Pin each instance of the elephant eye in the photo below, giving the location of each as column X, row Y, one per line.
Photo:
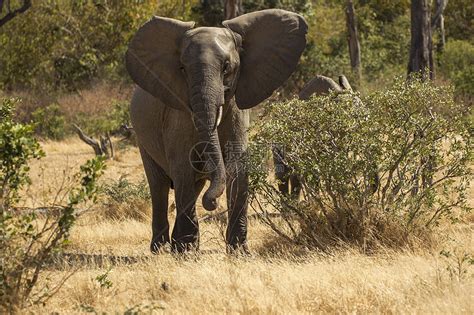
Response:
column 182, row 69
column 226, row 68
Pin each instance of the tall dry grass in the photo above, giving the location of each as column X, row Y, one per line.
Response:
column 279, row 278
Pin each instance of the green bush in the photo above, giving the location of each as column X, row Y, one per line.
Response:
column 50, row 122
column 17, row 147
column 29, row 243
column 109, row 122
column 67, row 45
column 457, row 64
column 382, row 171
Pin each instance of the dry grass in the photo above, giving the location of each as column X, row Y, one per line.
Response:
column 277, row 279
column 95, row 100
column 92, row 100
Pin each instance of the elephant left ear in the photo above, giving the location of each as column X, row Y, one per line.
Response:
column 273, row 41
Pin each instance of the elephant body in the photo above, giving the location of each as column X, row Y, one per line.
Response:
column 190, row 114
column 158, row 128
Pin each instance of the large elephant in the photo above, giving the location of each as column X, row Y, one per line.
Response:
column 288, row 181
column 190, row 79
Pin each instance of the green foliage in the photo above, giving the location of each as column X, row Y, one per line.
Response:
column 457, row 64
column 28, row 242
column 50, row 122
column 109, row 122
column 459, row 20
column 68, row 44
column 103, row 279
column 377, row 170
column 384, row 46
column 386, row 10
column 17, row 147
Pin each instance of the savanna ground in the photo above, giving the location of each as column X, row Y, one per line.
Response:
column 277, row 278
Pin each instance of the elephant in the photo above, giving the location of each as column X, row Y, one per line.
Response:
column 319, row 85
column 190, row 112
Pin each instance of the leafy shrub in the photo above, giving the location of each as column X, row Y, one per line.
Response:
column 68, row 44
column 50, row 122
column 17, row 147
column 457, row 64
column 126, row 200
column 109, row 122
column 29, row 243
column 380, row 171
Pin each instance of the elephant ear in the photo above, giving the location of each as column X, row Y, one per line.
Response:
column 319, row 85
column 273, row 41
column 153, row 60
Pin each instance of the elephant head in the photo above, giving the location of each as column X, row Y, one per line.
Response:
column 321, row 85
column 201, row 69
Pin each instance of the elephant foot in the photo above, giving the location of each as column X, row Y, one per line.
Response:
column 159, row 246
column 239, row 250
column 182, row 247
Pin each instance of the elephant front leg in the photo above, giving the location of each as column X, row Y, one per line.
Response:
column 185, row 236
column 237, row 203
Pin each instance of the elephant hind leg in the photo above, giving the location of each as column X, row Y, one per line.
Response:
column 282, row 172
column 159, row 184
column 237, row 203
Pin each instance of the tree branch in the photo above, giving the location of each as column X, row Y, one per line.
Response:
column 11, row 14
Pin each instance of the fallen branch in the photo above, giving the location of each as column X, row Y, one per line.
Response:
column 100, row 147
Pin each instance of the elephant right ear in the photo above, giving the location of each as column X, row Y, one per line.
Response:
column 153, row 60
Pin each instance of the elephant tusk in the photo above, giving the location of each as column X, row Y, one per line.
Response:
column 219, row 115
column 218, row 118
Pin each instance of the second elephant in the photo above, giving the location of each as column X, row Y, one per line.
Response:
column 288, row 181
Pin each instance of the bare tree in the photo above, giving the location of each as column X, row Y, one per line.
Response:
column 421, row 46
column 438, row 22
column 232, row 9
column 100, row 147
column 353, row 40
column 5, row 6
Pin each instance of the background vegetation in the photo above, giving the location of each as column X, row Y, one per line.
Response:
column 60, row 55
column 385, row 171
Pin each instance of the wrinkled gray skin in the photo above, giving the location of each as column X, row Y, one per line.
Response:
column 319, row 85
column 185, row 76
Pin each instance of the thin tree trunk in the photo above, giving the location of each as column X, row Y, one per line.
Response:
column 438, row 23
column 353, row 40
column 421, row 50
column 232, row 9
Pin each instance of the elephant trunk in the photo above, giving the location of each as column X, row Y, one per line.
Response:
column 205, row 101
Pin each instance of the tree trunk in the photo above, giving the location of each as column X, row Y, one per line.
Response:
column 421, row 50
column 353, row 40
column 232, row 9
column 438, row 23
